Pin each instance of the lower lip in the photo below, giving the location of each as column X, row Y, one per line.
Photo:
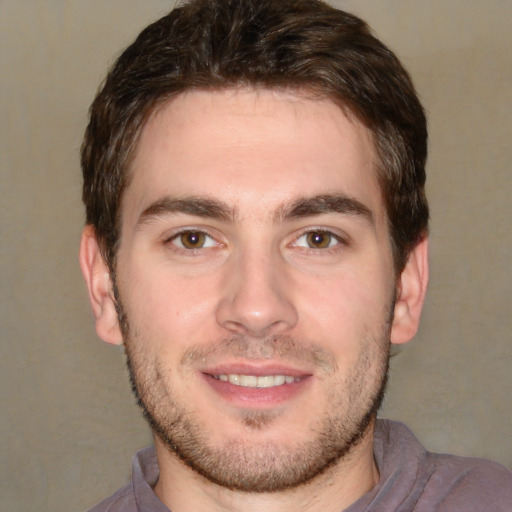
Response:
column 256, row 397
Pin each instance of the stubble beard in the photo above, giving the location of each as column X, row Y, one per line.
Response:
column 268, row 467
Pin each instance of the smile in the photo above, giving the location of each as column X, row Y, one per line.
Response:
column 251, row 381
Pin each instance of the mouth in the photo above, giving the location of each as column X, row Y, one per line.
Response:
column 257, row 386
column 253, row 381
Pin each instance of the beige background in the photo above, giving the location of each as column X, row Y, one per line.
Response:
column 68, row 425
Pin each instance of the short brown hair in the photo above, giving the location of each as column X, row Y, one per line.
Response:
column 304, row 44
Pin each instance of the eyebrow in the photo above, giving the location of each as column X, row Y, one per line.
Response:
column 197, row 206
column 214, row 209
column 322, row 204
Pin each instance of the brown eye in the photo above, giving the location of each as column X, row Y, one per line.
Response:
column 319, row 239
column 192, row 240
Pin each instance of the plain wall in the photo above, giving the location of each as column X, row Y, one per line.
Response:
column 69, row 425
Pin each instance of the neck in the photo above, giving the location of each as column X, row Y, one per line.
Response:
column 181, row 489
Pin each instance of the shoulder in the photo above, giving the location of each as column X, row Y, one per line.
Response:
column 428, row 481
column 138, row 494
column 468, row 483
column 121, row 501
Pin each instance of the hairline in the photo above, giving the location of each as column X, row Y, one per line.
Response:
column 313, row 91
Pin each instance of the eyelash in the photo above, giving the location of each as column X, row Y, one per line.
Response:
column 333, row 237
column 333, row 243
column 199, row 232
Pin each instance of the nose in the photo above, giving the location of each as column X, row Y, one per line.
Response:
column 257, row 297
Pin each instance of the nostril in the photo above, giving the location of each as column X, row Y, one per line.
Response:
column 255, row 299
column 274, row 318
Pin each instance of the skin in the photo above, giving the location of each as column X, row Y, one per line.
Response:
column 254, row 240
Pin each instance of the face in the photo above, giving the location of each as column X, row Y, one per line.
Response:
column 256, row 284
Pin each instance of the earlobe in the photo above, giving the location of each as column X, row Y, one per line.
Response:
column 99, row 286
column 411, row 289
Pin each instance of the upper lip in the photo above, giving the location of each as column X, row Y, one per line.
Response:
column 257, row 370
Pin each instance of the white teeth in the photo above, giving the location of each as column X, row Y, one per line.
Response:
column 281, row 379
column 251, row 381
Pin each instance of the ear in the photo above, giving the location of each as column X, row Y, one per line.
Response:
column 99, row 286
column 411, row 289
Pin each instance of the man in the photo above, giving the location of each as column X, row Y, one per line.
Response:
column 257, row 239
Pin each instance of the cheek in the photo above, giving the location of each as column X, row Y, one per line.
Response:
column 167, row 307
column 344, row 309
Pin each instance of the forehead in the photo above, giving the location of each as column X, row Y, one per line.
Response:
column 252, row 148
